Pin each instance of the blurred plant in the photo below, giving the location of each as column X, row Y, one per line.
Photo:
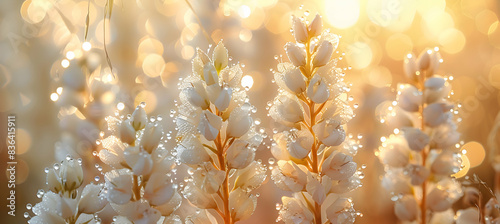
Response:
column 217, row 139
column 140, row 187
column 66, row 202
column 315, row 162
column 422, row 156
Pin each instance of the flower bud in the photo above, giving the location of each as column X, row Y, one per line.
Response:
column 139, row 118
column 468, row 216
column 418, row 174
column 446, row 163
column 239, row 122
column 442, row 197
column 329, row 132
column 127, row 132
column 436, row 89
column 139, row 160
column 446, row 136
column 151, row 137
column 395, row 152
column 341, row 211
column 409, row 98
column 299, row 30
column 71, row 175
column 301, row 144
column 197, row 95
column 295, row 54
column 294, row 81
column 119, row 185
column 411, row 67
column 406, row 208
column 199, row 62
column 424, row 60
column 316, row 26
column 210, row 125
column 435, row 61
column 210, row 74
column 436, row 114
column 220, row 57
column 92, row 199
column 251, row 177
column 286, row 110
column 53, row 181
column 112, row 152
column 317, row 90
column 239, row 155
column 316, row 189
column 191, row 151
column 199, row 198
column 290, row 176
column 417, row 140
column 241, row 204
column 323, row 54
column 223, row 99
column 209, row 179
column 339, row 166
column 158, row 189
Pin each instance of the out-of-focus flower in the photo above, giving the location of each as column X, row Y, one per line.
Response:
column 406, row 208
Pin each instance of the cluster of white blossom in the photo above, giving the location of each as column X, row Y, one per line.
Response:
column 66, row 201
column 422, row 155
column 217, row 140
column 140, row 187
column 315, row 161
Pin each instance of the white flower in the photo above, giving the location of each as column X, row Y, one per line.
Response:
column 196, row 95
column 241, row 204
column 210, row 75
column 339, row 166
column 417, row 140
column 191, row 151
column 409, row 98
column 329, row 132
column 299, row 30
column 53, row 209
column 424, row 60
column 318, row 190
column 395, row 152
column 210, row 125
column 290, row 176
column 436, row 114
column 446, row 135
column 406, row 208
column 53, row 181
column 151, row 137
column 286, row 110
column 208, row 178
column 170, row 206
column 71, row 175
column 127, row 132
column 436, row 88
column 239, row 155
column 198, row 197
column 279, row 149
column 446, row 163
column 140, row 161
column 301, row 144
column 251, row 177
column 418, row 174
column 239, row 121
column 293, row 80
column 294, row 211
column 341, row 211
column 92, row 199
column 119, row 186
column 295, row 54
column 323, row 54
column 220, row 57
column 201, row 216
column 443, row 195
column 112, row 152
column 395, row 181
column 139, row 212
column 220, row 96
column 317, row 90
column 316, row 26
column 158, row 189
column 139, row 118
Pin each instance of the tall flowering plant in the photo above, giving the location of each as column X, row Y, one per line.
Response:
column 315, row 161
column 140, row 186
column 422, row 155
column 217, row 140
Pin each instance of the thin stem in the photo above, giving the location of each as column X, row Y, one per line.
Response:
column 423, row 207
column 226, row 215
column 199, row 22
